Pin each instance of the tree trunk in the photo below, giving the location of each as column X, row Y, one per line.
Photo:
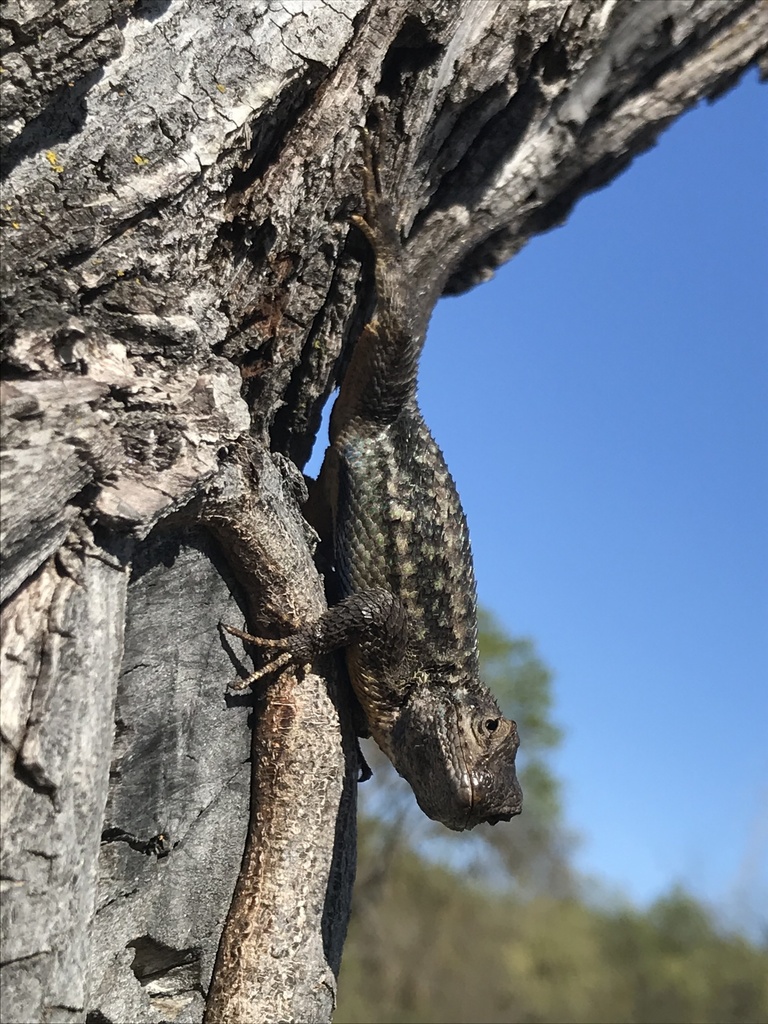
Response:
column 182, row 289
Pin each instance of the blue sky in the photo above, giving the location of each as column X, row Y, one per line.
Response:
column 603, row 406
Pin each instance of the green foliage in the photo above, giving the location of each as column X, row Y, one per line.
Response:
column 491, row 926
column 407, row 958
column 428, row 945
column 571, row 962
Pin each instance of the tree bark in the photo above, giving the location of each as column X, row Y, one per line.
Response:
column 182, row 290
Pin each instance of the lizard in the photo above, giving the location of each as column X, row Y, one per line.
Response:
column 407, row 618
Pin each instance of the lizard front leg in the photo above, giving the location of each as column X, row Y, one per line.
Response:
column 374, row 621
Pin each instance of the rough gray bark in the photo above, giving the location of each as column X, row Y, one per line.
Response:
column 181, row 291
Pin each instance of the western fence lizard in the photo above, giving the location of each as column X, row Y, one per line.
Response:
column 408, row 616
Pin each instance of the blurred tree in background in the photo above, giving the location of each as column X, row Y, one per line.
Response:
column 495, row 925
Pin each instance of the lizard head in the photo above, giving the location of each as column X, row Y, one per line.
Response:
column 459, row 758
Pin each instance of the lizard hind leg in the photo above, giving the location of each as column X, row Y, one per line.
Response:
column 378, row 223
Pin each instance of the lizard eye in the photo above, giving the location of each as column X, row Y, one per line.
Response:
column 492, row 724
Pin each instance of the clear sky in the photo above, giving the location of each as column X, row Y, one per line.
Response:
column 603, row 406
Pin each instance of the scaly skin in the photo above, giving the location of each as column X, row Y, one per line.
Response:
column 408, row 617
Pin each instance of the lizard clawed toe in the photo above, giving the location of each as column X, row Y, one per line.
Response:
column 272, row 666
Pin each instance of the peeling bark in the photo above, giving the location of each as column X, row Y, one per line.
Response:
column 182, row 289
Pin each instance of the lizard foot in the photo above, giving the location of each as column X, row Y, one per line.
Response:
column 273, row 665
column 378, row 222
